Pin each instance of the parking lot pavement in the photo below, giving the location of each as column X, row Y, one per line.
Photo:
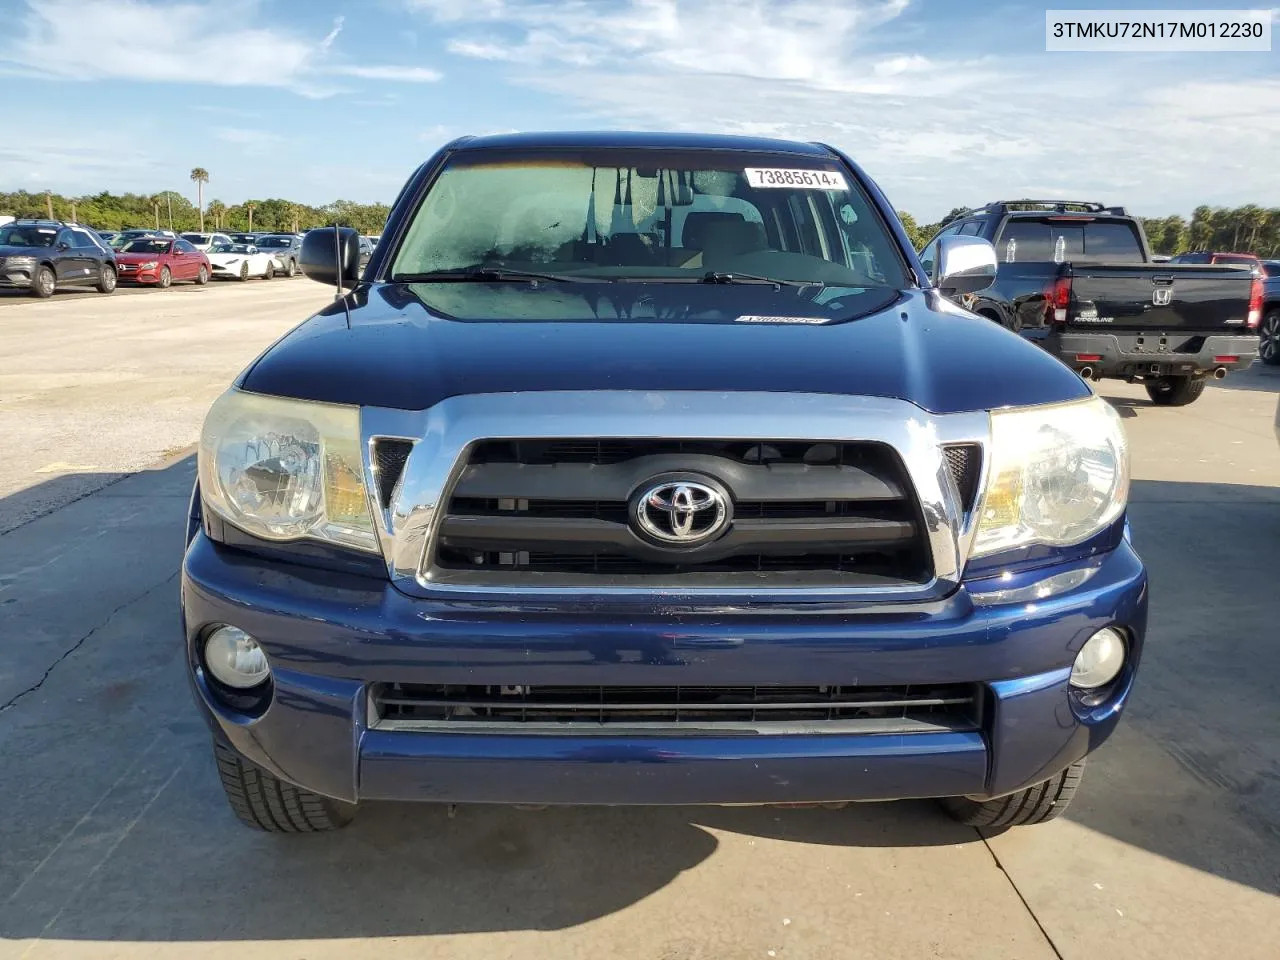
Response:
column 117, row 843
column 93, row 386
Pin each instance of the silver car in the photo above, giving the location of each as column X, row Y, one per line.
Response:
column 285, row 247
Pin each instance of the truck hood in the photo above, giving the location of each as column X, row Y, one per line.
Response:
column 409, row 346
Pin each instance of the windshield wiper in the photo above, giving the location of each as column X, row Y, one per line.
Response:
column 718, row 276
column 487, row 274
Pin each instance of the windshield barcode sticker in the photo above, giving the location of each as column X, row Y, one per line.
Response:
column 795, row 179
column 752, row 318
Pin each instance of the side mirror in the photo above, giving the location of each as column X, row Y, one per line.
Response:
column 963, row 265
column 331, row 256
column 63, row 245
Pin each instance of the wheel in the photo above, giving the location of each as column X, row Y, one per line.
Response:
column 291, row 267
column 1175, row 391
column 265, row 802
column 1036, row 804
column 107, row 279
column 1269, row 338
column 166, row 277
column 43, row 282
column 244, row 270
column 271, row 271
column 203, row 276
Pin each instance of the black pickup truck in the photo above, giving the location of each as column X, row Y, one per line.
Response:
column 1078, row 278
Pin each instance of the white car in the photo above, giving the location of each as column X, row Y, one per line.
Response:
column 240, row 261
column 205, row 241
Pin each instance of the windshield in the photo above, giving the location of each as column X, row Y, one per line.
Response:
column 151, row 245
column 229, row 248
column 27, row 236
column 196, row 237
column 275, row 242
column 664, row 216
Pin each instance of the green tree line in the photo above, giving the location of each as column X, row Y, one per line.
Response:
column 171, row 210
column 1247, row 229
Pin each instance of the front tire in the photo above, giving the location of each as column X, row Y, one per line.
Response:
column 1175, row 391
column 107, row 279
column 1037, row 804
column 244, row 271
column 291, row 267
column 265, row 802
column 271, row 271
column 43, row 282
column 1269, row 338
column 166, row 277
column 203, row 276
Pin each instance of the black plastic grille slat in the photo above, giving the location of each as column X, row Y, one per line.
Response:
column 964, row 463
column 477, row 705
column 606, row 451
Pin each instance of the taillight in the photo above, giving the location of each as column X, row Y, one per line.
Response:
column 1255, row 303
column 1057, row 300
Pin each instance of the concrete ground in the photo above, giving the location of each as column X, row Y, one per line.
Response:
column 116, row 842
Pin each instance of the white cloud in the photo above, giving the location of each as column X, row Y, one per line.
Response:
column 247, row 137
column 192, row 41
column 782, row 40
column 935, row 130
column 136, row 40
column 400, row 74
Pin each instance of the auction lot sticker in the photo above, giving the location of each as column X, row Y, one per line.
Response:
column 753, row 318
column 795, row 179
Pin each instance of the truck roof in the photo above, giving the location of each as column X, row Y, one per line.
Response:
column 640, row 141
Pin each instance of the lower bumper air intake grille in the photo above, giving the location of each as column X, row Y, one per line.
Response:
column 685, row 709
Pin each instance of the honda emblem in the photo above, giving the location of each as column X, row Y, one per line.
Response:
column 1160, row 296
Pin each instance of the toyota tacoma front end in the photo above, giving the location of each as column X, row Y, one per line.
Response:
column 655, row 470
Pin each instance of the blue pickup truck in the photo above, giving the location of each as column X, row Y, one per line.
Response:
column 655, row 469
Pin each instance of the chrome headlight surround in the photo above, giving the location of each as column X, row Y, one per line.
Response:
column 1058, row 475
column 283, row 469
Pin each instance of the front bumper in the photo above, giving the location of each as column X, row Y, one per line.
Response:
column 1153, row 354
column 329, row 636
column 124, row 275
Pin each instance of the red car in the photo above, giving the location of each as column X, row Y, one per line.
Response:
column 161, row 260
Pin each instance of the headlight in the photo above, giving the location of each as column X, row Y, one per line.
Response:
column 287, row 469
column 1058, row 475
column 149, row 265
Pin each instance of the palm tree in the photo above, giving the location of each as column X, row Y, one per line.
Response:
column 217, row 209
column 201, row 176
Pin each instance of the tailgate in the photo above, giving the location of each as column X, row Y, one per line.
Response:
column 1157, row 297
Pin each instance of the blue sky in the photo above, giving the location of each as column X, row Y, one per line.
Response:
column 944, row 102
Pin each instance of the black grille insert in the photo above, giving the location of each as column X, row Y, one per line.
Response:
column 389, row 458
column 753, row 709
column 556, row 512
column 964, row 463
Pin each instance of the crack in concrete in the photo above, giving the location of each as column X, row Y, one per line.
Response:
column 13, row 701
column 1026, row 906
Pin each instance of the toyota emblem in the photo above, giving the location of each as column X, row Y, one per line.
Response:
column 676, row 511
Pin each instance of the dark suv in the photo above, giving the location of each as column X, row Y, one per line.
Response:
column 42, row 255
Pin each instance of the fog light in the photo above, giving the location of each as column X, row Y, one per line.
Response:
column 1099, row 660
column 235, row 659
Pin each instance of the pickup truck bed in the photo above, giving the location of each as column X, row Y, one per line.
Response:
column 1079, row 280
